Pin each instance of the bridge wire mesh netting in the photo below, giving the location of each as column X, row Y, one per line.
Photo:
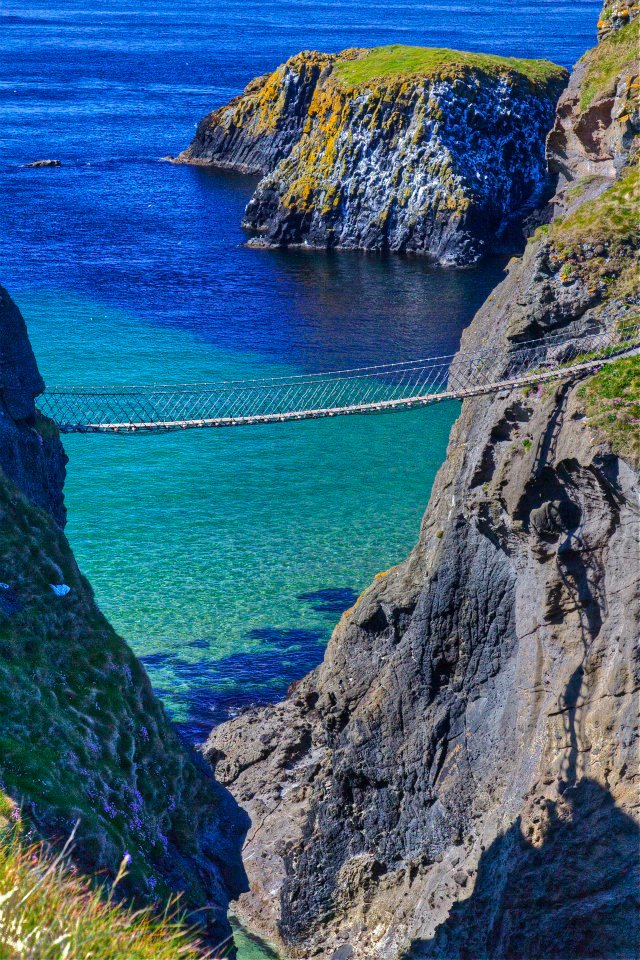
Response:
column 359, row 390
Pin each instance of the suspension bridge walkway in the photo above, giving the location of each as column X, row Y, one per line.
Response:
column 373, row 389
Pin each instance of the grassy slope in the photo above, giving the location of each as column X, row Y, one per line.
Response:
column 606, row 62
column 612, row 403
column 401, row 61
column 598, row 240
column 82, row 736
column 612, row 218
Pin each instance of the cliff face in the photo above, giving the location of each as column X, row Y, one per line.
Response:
column 258, row 129
column 459, row 778
column 31, row 454
column 396, row 148
column 83, row 738
column 597, row 115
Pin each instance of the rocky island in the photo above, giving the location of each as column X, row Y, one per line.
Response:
column 395, row 148
column 459, row 778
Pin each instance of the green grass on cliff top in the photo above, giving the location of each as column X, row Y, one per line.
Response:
column 400, row 61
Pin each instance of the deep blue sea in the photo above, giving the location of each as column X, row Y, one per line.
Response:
column 224, row 558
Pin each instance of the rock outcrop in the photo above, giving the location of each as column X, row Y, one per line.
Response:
column 258, row 129
column 459, row 778
column 395, row 148
column 83, row 739
column 31, row 454
column 597, row 116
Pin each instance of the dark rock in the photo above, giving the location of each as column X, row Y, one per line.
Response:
column 31, row 454
column 20, row 380
column 44, row 163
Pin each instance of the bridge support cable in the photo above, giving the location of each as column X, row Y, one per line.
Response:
column 384, row 387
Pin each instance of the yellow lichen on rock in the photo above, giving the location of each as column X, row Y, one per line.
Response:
column 387, row 148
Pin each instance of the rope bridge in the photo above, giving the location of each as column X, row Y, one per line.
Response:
column 394, row 386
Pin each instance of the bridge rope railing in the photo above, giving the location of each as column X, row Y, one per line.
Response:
column 391, row 386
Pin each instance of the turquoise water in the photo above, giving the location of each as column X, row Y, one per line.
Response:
column 225, row 557
column 249, row 947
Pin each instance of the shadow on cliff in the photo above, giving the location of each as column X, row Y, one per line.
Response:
column 571, row 897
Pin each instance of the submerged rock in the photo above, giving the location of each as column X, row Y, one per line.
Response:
column 44, row 163
column 396, row 148
column 459, row 778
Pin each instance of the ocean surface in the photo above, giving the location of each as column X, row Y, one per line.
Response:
column 224, row 557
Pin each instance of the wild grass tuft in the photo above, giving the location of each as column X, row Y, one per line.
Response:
column 49, row 912
column 610, row 218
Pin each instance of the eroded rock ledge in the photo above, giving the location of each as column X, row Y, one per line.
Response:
column 395, row 148
column 459, row 778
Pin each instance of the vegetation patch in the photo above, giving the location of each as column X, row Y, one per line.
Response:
column 49, row 912
column 606, row 62
column 83, row 739
column 612, row 403
column 611, row 218
column 400, row 61
column 596, row 246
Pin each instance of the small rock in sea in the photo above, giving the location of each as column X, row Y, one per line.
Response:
column 60, row 589
column 4, row 586
column 44, row 163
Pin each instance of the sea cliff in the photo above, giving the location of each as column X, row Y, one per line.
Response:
column 459, row 778
column 394, row 148
column 84, row 743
